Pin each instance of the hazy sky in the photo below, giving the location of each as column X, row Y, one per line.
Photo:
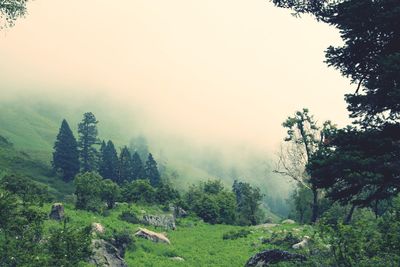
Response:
column 228, row 70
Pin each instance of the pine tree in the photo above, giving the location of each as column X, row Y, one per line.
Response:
column 151, row 171
column 108, row 167
column 66, row 155
column 137, row 167
column 125, row 166
column 87, row 130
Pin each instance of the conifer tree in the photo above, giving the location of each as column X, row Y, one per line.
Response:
column 137, row 167
column 108, row 167
column 66, row 155
column 87, row 130
column 125, row 166
column 151, row 171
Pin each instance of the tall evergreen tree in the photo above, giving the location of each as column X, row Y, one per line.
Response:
column 87, row 130
column 137, row 167
column 108, row 167
column 125, row 166
column 151, row 171
column 66, row 155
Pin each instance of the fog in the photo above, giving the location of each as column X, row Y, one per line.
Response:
column 191, row 75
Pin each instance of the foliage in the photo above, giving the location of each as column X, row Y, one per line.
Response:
column 247, row 199
column 10, row 10
column 165, row 193
column 138, row 191
column 125, row 173
column 66, row 155
column 110, row 192
column 137, row 167
column 236, row 234
column 67, row 246
column 88, row 191
column 26, row 189
column 129, row 216
column 151, row 171
column 108, row 166
column 87, row 130
column 211, row 202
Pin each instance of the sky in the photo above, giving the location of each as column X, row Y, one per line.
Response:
column 210, row 70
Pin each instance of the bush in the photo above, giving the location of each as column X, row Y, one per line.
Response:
column 236, row 234
column 122, row 240
column 138, row 191
column 129, row 216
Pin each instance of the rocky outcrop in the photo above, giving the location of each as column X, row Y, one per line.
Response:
column 164, row 221
column 153, row 236
column 98, row 228
column 267, row 257
column 57, row 212
column 302, row 244
column 105, row 255
column 178, row 212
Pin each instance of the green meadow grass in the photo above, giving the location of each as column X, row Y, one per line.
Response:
column 198, row 243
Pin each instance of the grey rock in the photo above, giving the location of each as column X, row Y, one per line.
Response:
column 271, row 256
column 106, row 255
column 57, row 211
column 178, row 211
column 164, row 221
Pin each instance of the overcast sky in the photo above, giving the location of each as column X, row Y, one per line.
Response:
column 228, row 70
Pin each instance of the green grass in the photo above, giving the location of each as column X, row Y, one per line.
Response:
column 199, row 243
column 17, row 162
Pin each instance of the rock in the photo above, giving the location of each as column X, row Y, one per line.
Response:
column 302, row 244
column 153, row 236
column 165, row 221
column 177, row 259
column 288, row 221
column 270, row 256
column 98, row 228
column 105, row 254
column 178, row 211
column 57, row 211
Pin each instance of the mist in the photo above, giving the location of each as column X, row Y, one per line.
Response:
column 201, row 80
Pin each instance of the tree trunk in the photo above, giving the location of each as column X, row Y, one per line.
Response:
column 314, row 216
column 350, row 214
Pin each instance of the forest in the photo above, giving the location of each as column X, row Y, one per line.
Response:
column 91, row 199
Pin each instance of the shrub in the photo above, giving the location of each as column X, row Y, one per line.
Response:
column 129, row 216
column 236, row 234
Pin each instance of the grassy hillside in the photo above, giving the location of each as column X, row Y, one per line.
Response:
column 198, row 243
column 17, row 162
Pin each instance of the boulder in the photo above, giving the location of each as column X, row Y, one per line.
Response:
column 57, row 211
column 105, row 255
column 153, row 236
column 271, row 256
column 98, row 228
column 288, row 221
column 177, row 259
column 178, row 211
column 165, row 221
column 302, row 244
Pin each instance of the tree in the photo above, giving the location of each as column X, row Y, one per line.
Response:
column 108, row 167
column 87, row 130
column 68, row 246
column 138, row 191
column 10, row 10
column 151, row 171
column 110, row 192
column 137, row 167
column 248, row 199
column 303, row 140
column 66, row 154
column 88, row 191
column 370, row 56
column 125, row 166
column 29, row 191
column 139, row 145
